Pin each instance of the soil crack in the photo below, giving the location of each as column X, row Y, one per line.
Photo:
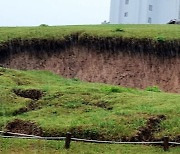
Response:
column 146, row 133
column 33, row 105
column 29, row 93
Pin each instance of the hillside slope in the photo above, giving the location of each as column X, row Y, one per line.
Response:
column 41, row 103
column 128, row 55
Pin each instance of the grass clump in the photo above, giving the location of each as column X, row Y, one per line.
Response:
column 119, row 30
column 153, row 89
column 161, row 39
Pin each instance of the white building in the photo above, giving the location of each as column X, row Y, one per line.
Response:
column 144, row 11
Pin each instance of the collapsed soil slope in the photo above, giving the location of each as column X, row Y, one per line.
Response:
column 129, row 63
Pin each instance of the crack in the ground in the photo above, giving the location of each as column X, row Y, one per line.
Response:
column 29, row 93
column 33, row 105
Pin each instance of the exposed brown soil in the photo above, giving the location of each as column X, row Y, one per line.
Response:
column 24, row 127
column 125, row 62
column 29, row 93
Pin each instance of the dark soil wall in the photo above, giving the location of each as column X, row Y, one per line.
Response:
column 130, row 64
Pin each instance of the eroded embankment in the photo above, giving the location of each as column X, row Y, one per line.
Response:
column 126, row 62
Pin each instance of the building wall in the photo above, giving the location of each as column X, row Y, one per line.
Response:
column 115, row 11
column 132, row 11
column 169, row 10
column 144, row 11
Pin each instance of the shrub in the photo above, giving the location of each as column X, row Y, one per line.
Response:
column 43, row 25
column 113, row 89
column 153, row 89
column 160, row 39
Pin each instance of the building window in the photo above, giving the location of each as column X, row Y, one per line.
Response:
column 126, row 2
column 150, row 7
column 149, row 20
column 126, row 14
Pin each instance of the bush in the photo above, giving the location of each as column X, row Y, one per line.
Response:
column 113, row 89
column 160, row 39
column 153, row 89
column 43, row 25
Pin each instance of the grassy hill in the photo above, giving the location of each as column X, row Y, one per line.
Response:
column 154, row 32
column 89, row 110
column 42, row 103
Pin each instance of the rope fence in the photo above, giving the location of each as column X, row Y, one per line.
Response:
column 165, row 143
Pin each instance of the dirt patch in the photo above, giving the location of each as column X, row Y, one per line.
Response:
column 30, row 93
column 33, row 105
column 24, row 127
column 146, row 133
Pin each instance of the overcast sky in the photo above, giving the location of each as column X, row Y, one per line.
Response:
column 53, row 12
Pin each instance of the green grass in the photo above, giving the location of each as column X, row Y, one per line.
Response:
column 87, row 109
column 69, row 104
column 16, row 146
column 155, row 32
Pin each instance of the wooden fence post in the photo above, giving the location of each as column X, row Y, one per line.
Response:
column 166, row 143
column 67, row 140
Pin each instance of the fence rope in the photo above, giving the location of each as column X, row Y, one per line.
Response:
column 26, row 136
column 35, row 137
column 18, row 134
column 114, row 142
column 175, row 143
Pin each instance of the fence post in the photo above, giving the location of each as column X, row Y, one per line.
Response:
column 67, row 140
column 166, row 143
